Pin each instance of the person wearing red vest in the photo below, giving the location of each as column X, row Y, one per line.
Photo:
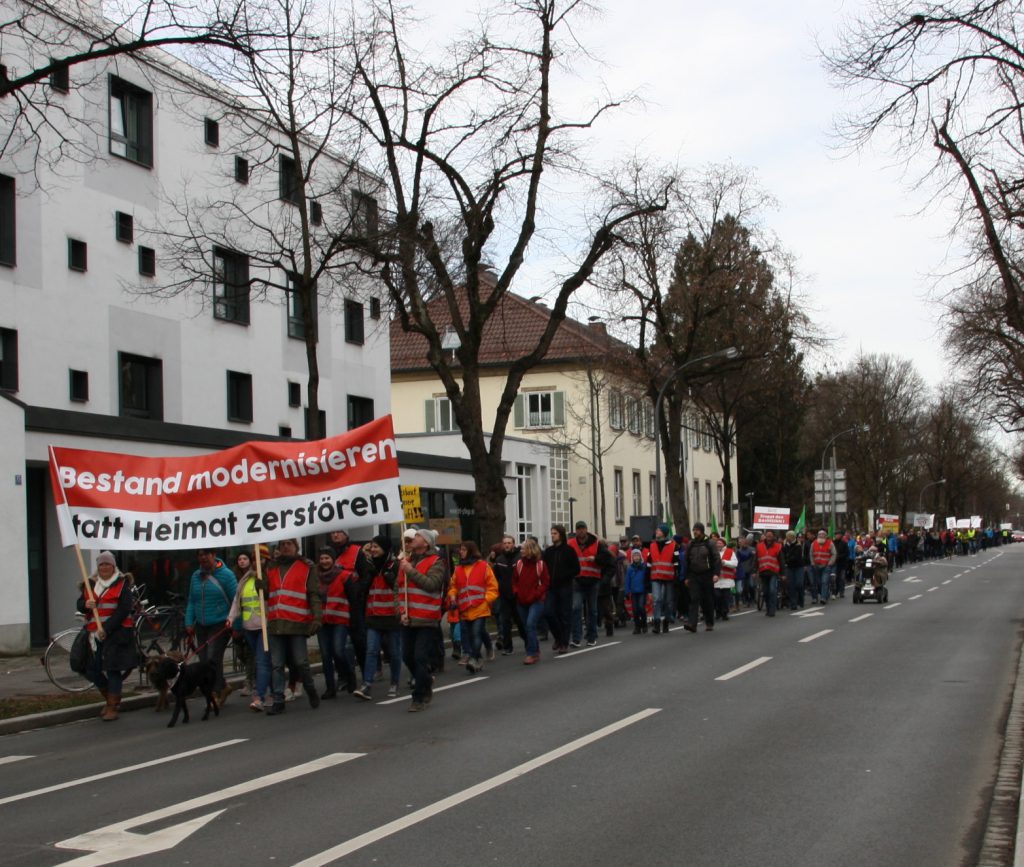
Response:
column 333, row 635
column 422, row 578
column 355, row 564
column 594, row 557
column 663, row 558
column 383, row 627
column 472, row 591
column 769, row 554
column 725, row 580
column 294, row 612
column 112, row 639
column 823, row 558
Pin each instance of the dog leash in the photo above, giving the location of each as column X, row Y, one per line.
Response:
column 196, row 650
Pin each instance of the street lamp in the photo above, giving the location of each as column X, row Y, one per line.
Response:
column 857, row 428
column 920, row 497
column 729, row 352
column 750, row 505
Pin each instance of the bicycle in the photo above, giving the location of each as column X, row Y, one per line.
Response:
column 57, row 661
column 158, row 628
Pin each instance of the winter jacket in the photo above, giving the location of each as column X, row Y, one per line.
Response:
column 434, row 581
column 119, row 653
column 562, row 562
column 636, row 578
column 490, row 588
column 210, row 596
column 530, row 581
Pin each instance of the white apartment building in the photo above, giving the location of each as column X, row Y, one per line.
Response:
column 90, row 359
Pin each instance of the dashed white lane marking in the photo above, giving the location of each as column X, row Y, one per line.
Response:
column 743, row 669
column 741, row 613
column 6, row 760
column 931, row 589
column 816, row 635
column 431, row 810
column 892, row 605
column 918, row 596
column 911, row 578
column 455, row 685
column 947, row 580
column 118, row 771
column 588, row 649
column 862, row 617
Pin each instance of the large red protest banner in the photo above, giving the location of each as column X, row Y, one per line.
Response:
column 255, row 492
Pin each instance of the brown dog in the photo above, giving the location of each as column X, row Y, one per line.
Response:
column 156, row 674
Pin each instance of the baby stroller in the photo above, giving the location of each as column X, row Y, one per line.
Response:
column 872, row 573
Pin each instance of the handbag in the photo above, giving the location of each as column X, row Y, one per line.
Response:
column 81, row 652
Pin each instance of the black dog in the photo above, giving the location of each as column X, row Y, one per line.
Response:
column 156, row 673
column 186, row 679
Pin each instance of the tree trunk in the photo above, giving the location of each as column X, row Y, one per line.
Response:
column 307, row 298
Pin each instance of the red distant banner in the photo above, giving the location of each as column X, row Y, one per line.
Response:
column 771, row 518
column 255, row 492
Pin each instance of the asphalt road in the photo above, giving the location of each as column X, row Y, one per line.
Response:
column 864, row 735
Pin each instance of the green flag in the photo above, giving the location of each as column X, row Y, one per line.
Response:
column 714, row 525
column 801, row 522
column 832, row 527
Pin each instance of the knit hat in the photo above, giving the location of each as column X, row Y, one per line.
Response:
column 264, row 552
column 429, row 536
column 325, row 550
column 408, row 534
column 581, row 525
column 385, row 543
column 698, row 526
column 637, row 554
column 106, row 557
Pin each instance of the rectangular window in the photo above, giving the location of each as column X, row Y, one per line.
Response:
column 147, row 261
column 288, row 185
column 316, row 213
column 78, row 258
column 241, row 170
column 296, row 308
column 131, row 122
column 124, row 227
column 284, row 430
column 211, row 132
column 360, row 411
column 239, row 396
column 652, row 498
column 364, row 215
column 721, row 504
column 322, row 416
column 708, row 437
column 60, row 79
column 524, row 498
column 375, row 308
column 558, row 474
column 708, row 505
column 439, row 415
column 294, row 394
column 539, row 409
column 632, row 415
column 617, row 495
column 695, row 504
column 649, row 418
column 637, row 493
column 8, row 359
column 615, row 409
column 695, row 430
column 140, row 386
column 353, row 322
column 78, row 385
column 230, row 286
column 8, row 236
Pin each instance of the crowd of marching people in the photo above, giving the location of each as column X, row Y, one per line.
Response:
column 374, row 608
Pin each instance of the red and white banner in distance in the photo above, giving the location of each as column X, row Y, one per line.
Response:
column 771, row 518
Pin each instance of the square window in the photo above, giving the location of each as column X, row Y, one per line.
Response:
column 294, row 394
column 296, row 299
column 147, row 261
column 284, row 430
column 60, row 79
column 288, row 184
column 8, row 359
column 360, row 411
column 364, row 215
column 8, row 245
column 140, row 386
column 78, row 385
column 353, row 322
column 375, row 308
column 124, row 227
column 230, row 286
column 211, row 132
column 239, row 397
column 78, row 259
column 131, row 122
column 316, row 213
column 241, row 170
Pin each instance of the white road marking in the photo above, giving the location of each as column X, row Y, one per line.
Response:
column 914, row 580
column 741, row 613
column 743, row 669
column 106, row 774
column 912, row 598
column 911, row 578
column 431, row 810
column 455, row 685
column 588, row 649
column 805, row 614
column 816, row 635
column 6, row 760
column 863, row 617
column 947, row 580
column 931, row 589
column 117, row 843
column 892, row 605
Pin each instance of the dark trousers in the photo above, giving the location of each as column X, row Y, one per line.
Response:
column 702, row 596
column 214, row 650
column 558, row 612
column 418, row 650
column 293, row 651
column 357, row 633
column 508, row 614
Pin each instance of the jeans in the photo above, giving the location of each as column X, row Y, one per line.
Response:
column 558, row 612
column 820, row 576
column 333, row 641
column 254, row 638
column 639, row 603
column 473, row 637
column 290, row 649
column 109, row 681
column 584, row 595
column 795, row 586
column 375, row 639
column 770, row 591
column 661, row 592
column 418, row 644
column 530, row 615
column 357, row 631
column 509, row 613
column 214, row 650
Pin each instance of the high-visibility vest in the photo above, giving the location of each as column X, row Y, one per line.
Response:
column 250, row 598
column 728, row 572
column 417, row 603
column 470, row 586
column 662, row 568
column 381, row 600
column 821, row 553
column 106, row 605
column 287, row 599
column 336, row 609
column 768, row 558
column 588, row 559
column 347, row 560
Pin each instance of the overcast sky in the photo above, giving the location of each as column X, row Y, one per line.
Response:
column 741, row 80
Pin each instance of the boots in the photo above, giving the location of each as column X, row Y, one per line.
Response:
column 657, row 627
column 636, row 629
column 110, row 711
column 609, row 630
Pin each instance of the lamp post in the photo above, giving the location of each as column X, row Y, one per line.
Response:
column 572, row 502
column 920, row 497
column 750, row 506
column 857, row 428
column 730, row 352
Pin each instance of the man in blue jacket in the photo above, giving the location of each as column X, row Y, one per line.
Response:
column 210, row 593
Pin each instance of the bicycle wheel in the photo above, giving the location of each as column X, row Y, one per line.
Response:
column 158, row 632
column 57, row 660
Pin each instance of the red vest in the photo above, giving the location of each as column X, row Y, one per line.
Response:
column 347, row 561
column 821, row 554
column 381, row 602
column 768, row 558
column 588, row 559
column 287, row 599
column 661, row 562
column 728, row 572
column 336, row 609
column 417, row 603
column 470, row 586
column 106, row 605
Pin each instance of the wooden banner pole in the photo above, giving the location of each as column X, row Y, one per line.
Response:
column 263, row 607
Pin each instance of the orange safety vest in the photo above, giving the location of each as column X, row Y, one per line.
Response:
column 821, row 554
column 336, row 608
column 347, row 561
column 588, row 559
column 768, row 558
column 106, row 605
column 287, row 599
column 417, row 603
column 661, row 562
column 728, row 572
column 470, row 586
column 381, row 602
